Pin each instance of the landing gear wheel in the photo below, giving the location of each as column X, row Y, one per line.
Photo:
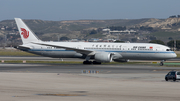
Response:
column 161, row 63
column 87, row 62
column 95, row 62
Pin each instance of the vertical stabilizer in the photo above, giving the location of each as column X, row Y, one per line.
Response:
column 26, row 34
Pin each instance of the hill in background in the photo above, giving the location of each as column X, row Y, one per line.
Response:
column 146, row 29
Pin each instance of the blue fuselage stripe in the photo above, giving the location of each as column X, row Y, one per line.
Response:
column 33, row 50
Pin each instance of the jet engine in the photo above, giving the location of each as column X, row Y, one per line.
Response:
column 103, row 57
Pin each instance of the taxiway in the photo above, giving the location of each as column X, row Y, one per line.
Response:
column 45, row 82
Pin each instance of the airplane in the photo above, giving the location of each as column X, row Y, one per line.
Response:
column 98, row 51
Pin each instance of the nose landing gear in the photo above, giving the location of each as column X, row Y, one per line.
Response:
column 162, row 62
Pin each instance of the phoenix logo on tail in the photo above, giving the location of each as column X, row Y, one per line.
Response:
column 25, row 33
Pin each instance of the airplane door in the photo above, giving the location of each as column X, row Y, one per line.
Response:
column 124, row 48
column 157, row 49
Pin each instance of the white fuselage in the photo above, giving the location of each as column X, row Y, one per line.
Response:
column 146, row 51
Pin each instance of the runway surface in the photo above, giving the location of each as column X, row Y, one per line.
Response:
column 77, row 68
column 66, row 82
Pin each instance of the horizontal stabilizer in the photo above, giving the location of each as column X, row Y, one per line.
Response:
column 22, row 47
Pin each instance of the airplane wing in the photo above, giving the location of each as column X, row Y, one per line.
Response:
column 82, row 51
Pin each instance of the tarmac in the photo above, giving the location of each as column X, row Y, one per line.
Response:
column 67, row 82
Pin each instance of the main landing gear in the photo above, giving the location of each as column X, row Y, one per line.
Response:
column 87, row 62
column 90, row 62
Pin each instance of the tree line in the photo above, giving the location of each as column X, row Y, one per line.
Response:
column 174, row 16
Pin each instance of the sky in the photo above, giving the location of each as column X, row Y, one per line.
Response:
column 58, row 10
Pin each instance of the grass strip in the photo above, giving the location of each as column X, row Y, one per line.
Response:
column 112, row 63
column 178, row 55
column 15, row 53
column 42, row 62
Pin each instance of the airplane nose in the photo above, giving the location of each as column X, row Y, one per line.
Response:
column 174, row 55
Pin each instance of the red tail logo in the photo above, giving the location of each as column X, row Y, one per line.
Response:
column 25, row 33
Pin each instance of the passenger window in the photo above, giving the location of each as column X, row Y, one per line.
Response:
column 178, row 73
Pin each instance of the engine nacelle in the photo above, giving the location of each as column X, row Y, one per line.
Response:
column 103, row 57
column 121, row 60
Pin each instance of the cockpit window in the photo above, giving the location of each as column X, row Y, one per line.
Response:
column 168, row 50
